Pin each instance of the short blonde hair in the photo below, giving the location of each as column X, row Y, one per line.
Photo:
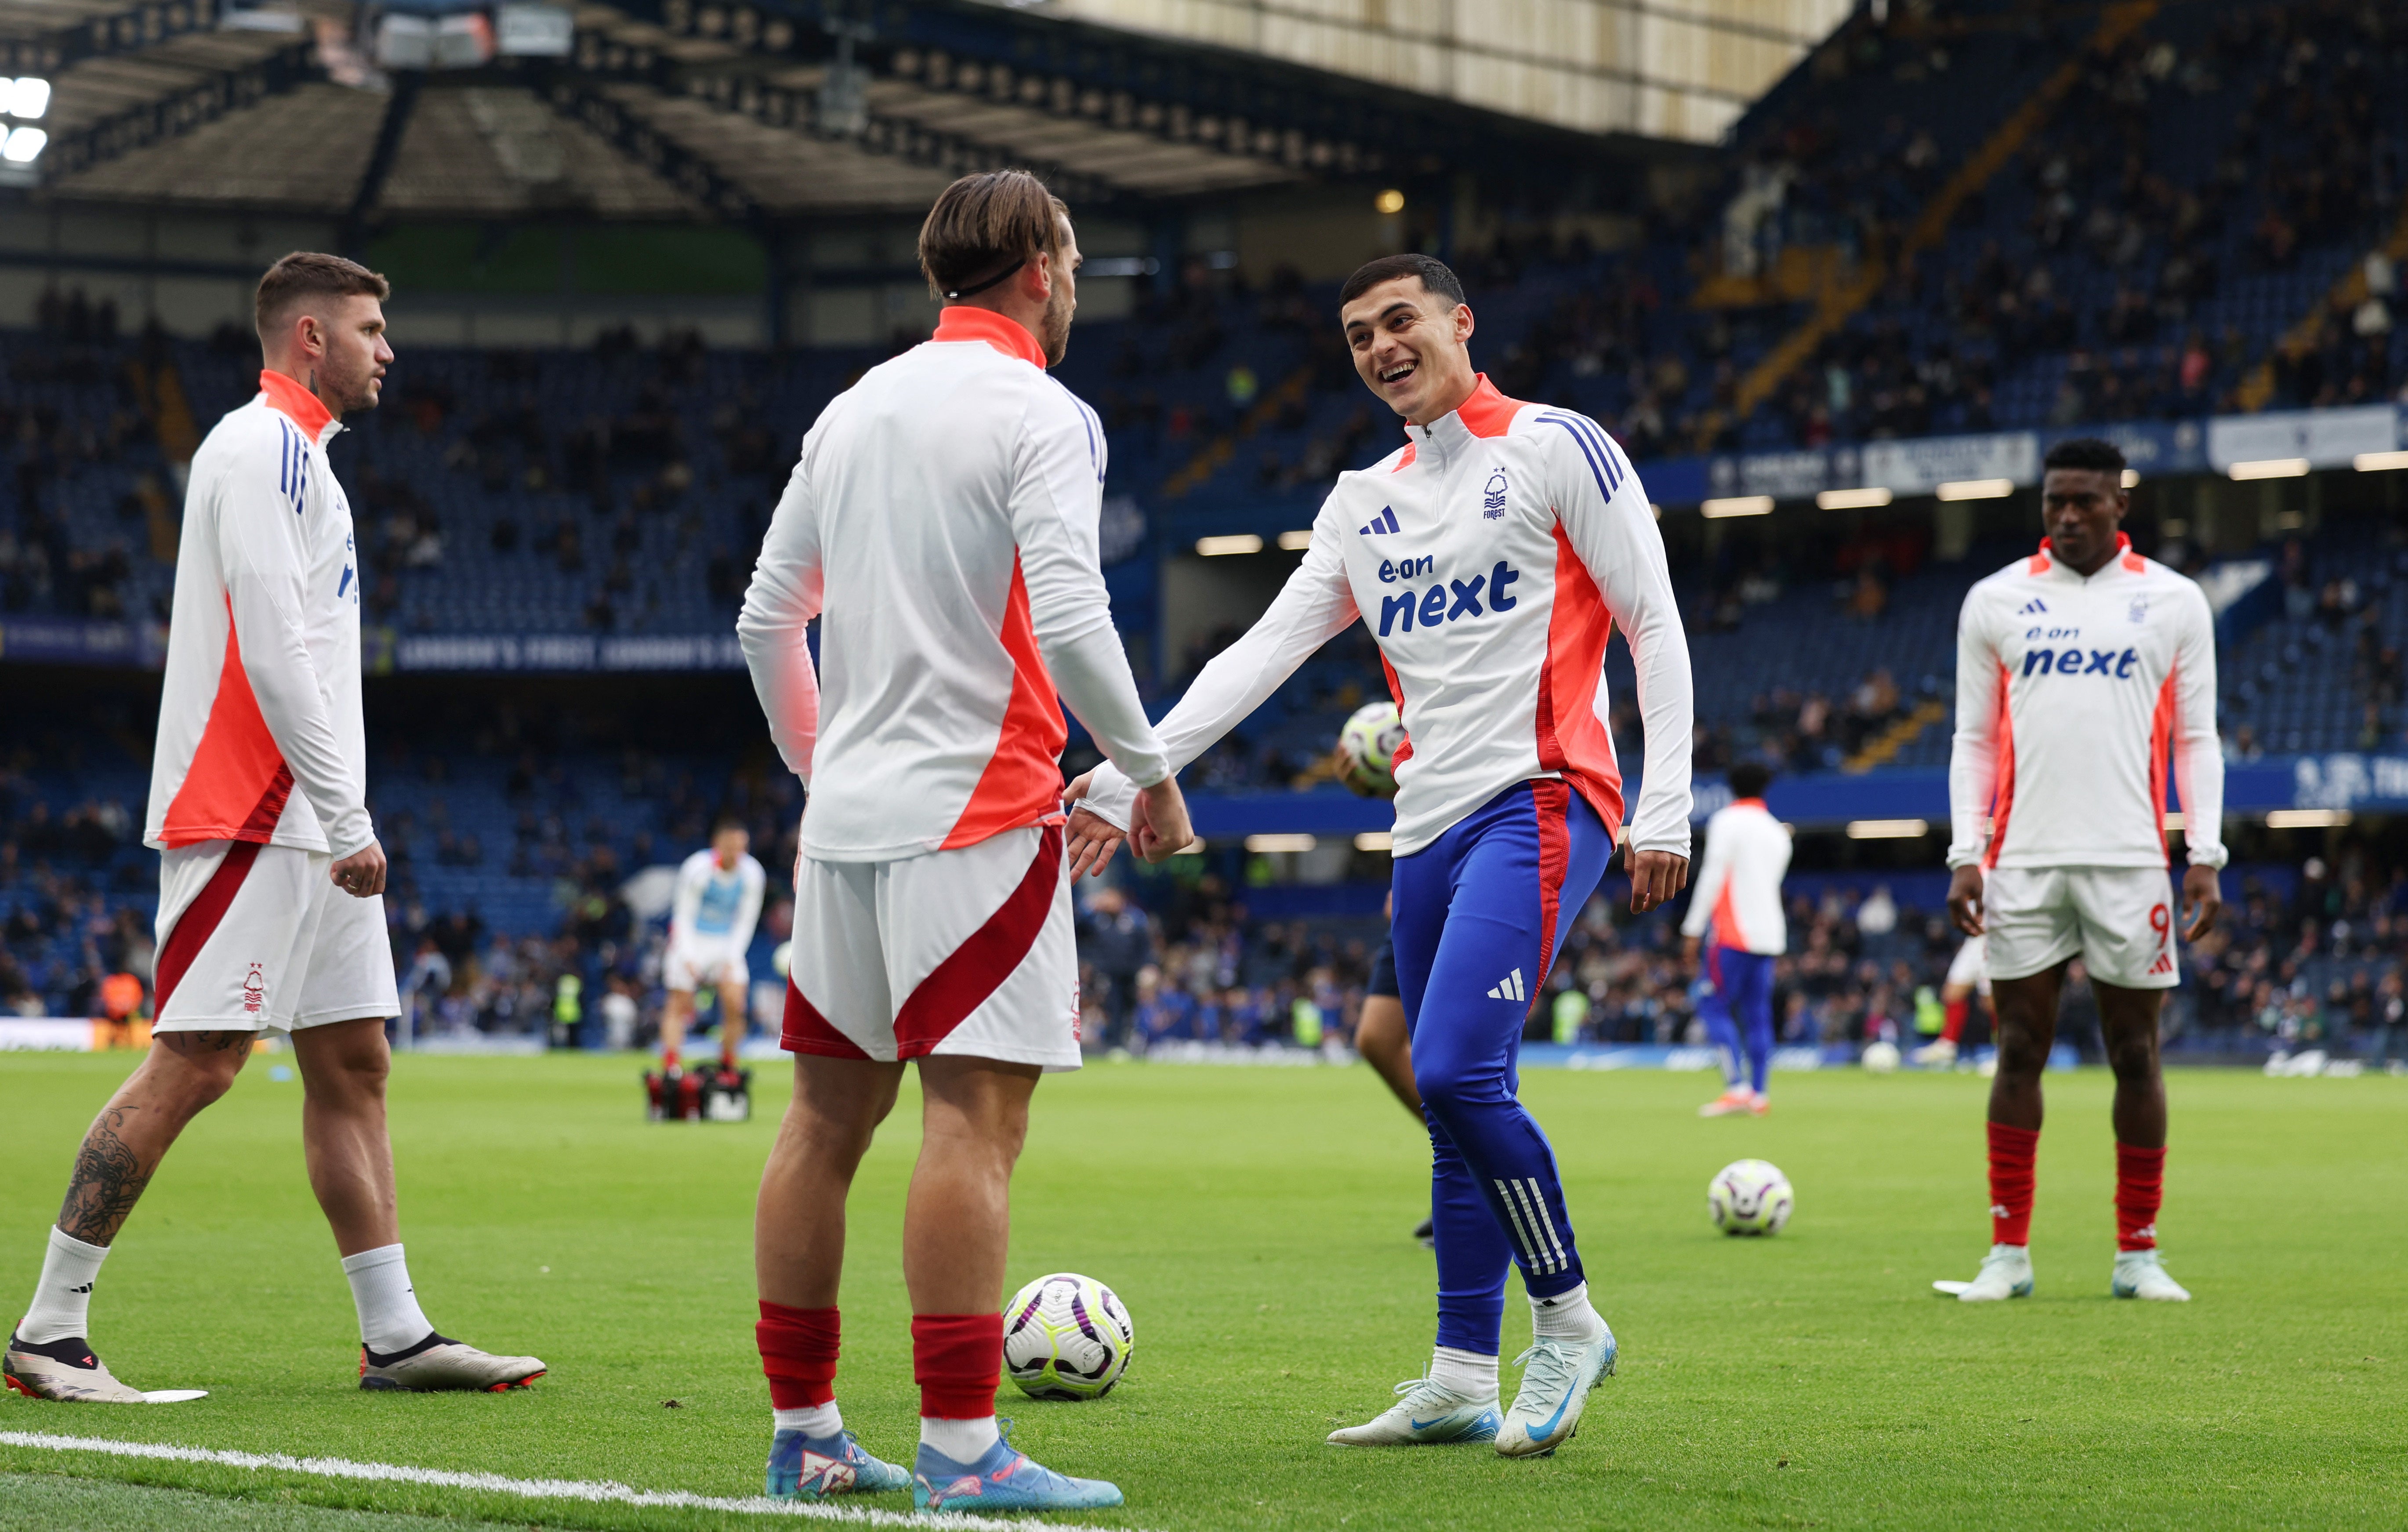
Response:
column 985, row 227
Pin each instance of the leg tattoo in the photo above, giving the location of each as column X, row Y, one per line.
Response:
column 107, row 1182
column 109, row 1171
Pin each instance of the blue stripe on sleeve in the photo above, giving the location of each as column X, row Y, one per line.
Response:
column 1601, row 467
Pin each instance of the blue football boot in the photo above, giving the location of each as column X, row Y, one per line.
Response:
column 1006, row 1478
column 802, row 1468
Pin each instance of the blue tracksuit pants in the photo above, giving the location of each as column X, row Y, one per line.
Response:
column 1480, row 916
column 1738, row 996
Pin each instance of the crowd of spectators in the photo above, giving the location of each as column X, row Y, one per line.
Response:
column 2181, row 159
column 2318, row 965
column 2311, row 957
column 2316, row 959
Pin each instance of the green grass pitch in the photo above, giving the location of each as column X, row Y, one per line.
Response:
column 1256, row 1220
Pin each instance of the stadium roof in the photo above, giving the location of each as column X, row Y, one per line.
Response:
column 761, row 111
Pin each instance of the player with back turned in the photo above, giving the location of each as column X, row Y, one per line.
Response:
column 1737, row 894
column 1492, row 556
column 271, row 915
column 942, row 524
column 2079, row 670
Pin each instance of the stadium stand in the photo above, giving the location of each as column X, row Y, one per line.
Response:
column 2157, row 210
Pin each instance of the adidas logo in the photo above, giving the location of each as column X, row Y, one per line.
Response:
column 2165, row 964
column 86, row 1288
column 2031, row 607
column 1384, row 523
column 1508, row 988
column 2147, row 1231
column 1997, row 1211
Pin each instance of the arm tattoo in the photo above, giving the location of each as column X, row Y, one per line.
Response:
column 108, row 1181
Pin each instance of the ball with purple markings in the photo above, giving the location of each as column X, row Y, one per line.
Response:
column 1066, row 1337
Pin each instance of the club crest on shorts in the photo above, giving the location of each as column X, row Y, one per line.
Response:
column 254, row 989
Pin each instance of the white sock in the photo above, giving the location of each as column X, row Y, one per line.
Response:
column 390, row 1318
column 64, row 1297
column 963, row 1440
column 814, row 1420
column 1467, row 1375
column 1566, row 1316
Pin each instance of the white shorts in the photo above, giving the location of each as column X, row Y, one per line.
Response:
column 690, row 967
column 968, row 951
column 1971, row 967
column 2121, row 920
column 256, row 938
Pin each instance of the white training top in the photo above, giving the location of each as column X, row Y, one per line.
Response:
column 1492, row 557
column 2070, row 692
column 261, row 690
column 716, row 908
column 1739, row 881
column 942, row 524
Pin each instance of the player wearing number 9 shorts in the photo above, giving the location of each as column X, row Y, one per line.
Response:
column 2082, row 673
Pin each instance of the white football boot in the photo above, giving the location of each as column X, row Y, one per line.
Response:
column 2139, row 1274
column 1558, row 1375
column 1939, row 1053
column 1425, row 1415
column 2006, row 1273
column 65, row 1370
column 439, row 1363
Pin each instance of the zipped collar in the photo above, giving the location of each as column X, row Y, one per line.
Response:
column 1009, row 336
column 306, row 409
column 1484, row 412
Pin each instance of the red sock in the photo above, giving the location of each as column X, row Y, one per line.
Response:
column 1954, row 1027
column 2139, row 1191
column 668, row 1058
column 957, row 1359
column 2011, row 1152
column 798, row 1349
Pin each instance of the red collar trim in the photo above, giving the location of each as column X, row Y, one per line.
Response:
column 1748, row 803
column 1487, row 412
column 2047, row 554
column 307, row 411
column 961, row 321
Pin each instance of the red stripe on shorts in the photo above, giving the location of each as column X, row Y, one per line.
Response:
column 808, row 1032
column 199, row 921
column 961, row 983
column 1553, row 799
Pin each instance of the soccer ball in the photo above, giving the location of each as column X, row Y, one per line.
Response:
column 1879, row 1058
column 1066, row 1337
column 1750, row 1196
column 1371, row 739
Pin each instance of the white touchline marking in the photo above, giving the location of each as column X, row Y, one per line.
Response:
column 593, row 1490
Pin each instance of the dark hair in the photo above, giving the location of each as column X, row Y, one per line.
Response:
column 305, row 275
column 729, row 819
column 1749, row 779
column 1434, row 275
column 2085, row 452
column 985, row 227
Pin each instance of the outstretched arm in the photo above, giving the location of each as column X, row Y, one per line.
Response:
column 1316, row 604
